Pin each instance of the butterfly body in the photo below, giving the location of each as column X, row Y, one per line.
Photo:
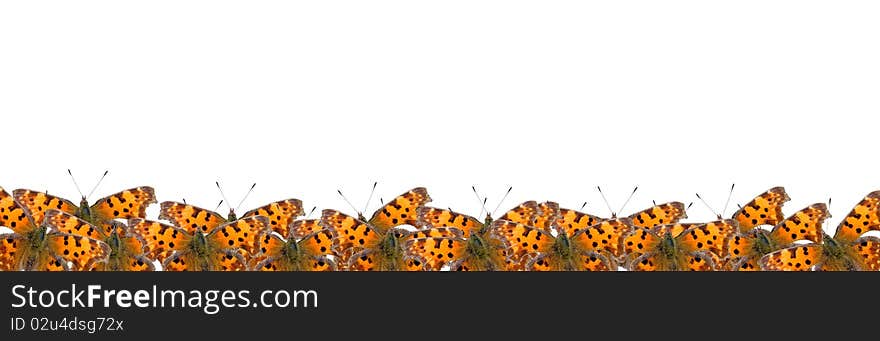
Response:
column 664, row 248
column 306, row 248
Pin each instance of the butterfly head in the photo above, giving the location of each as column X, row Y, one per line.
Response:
column 231, row 216
column 562, row 246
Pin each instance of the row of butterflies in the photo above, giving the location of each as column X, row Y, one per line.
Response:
column 54, row 234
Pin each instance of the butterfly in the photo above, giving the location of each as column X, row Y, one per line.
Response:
column 765, row 209
column 462, row 241
column 306, row 248
column 746, row 249
column 32, row 247
column 375, row 244
column 130, row 203
column 127, row 249
column 847, row 250
column 243, row 235
column 190, row 249
column 677, row 247
column 585, row 249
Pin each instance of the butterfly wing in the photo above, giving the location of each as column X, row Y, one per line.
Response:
column 709, row 237
column 352, row 234
column 436, row 251
column 319, row 243
column 805, row 224
column 867, row 253
column 83, row 252
column 400, row 210
column 241, row 234
column 37, row 203
column 11, row 247
column 765, row 209
column 638, row 242
column 190, row 218
column 68, row 223
column 523, row 241
column 525, row 213
column 571, row 221
column 280, row 214
column 429, row 218
column 606, row 236
column 796, row 258
column 13, row 215
column 161, row 240
column 662, row 214
column 130, row 203
column 864, row 217
column 548, row 214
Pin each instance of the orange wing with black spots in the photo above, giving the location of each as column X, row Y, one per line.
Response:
column 130, row 203
column 429, row 217
column 867, row 250
column 548, row 214
column 319, row 243
column 13, row 215
column 805, row 224
column 522, row 240
column 605, row 236
column 37, row 203
column 161, row 239
column 436, row 251
column 351, row 232
column 741, row 251
column 864, row 217
column 638, row 241
column 400, row 210
column 797, row 258
column 280, row 214
column 589, row 261
column 301, row 228
column 68, row 223
column 83, row 252
column 241, row 234
column 571, row 221
column 441, row 232
column 709, row 237
column 765, row 209
column 11, row 246
column 190, row 218
column 225, row 260
column 662, row 214
column 525, row 213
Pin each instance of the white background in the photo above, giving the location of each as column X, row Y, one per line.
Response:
column 552, row 98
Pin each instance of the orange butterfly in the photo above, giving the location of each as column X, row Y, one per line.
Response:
column 306, row 248
column 847, row 250
column 677, row 247
column 278, row 216
column 375, row 244
column 592, row 248
column 746, row 249
column 30, row 247
column 463, row 242
column 127, row 248
column 130, row 203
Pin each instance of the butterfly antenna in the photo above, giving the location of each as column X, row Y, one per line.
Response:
column 688, row 206
column 370, row 197
column 184, row 201
column 381, row 201
column 218, row 205
column 222, row 195
column 502, row 200
column 310, row 212
column 245, row 196
column 74, row 183
column 346, row 201
column 584, row 205
column 729, row 195
column 613, row 214
column 97, row 184
column 628, row 199
column 707, row 206
column 481, row 201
